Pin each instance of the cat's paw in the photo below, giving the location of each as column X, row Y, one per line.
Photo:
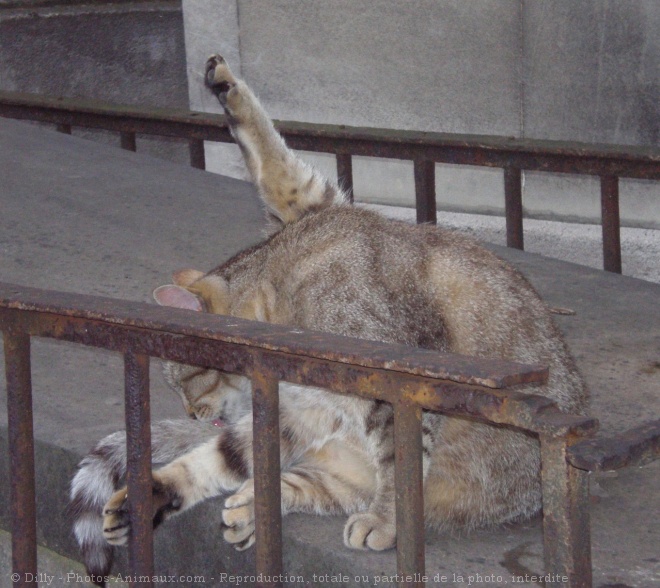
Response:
column 218, row 77
column 238, row 517
column 116, row 523
column 367, row 530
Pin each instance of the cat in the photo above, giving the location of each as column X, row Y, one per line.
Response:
column 331, row 266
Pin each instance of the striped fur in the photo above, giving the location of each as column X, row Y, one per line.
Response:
column 337, row 268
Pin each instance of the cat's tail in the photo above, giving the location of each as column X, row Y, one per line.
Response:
column 102, row 472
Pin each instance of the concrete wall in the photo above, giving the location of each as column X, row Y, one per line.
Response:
column 121, row 52
column 555, row 69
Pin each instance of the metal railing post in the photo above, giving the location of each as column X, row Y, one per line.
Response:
column 267, row 475
column 127, row 141
column 566, row 528
column 513, row 207
column 138, row 466
column 424, row 171
column 197, row 154
column 345, row 173
column 408, row 479
column 21, row 451
column 609, row 202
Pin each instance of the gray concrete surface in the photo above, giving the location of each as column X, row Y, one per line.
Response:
column 84, row 217
column 54, row 569
column 553, row 69
column 119, row 52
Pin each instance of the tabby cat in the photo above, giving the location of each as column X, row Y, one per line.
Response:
column 334, row 267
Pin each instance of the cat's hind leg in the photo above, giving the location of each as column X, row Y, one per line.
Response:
column 288, row 185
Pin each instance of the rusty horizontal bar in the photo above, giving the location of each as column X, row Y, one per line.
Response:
column 491, row 373
column 634, row 447
column 237, row 346
column 113, row 117
column 492, row 151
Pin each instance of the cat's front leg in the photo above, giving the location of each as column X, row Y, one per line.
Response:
column 220, row 465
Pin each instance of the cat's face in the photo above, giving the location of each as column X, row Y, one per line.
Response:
column 207, row 395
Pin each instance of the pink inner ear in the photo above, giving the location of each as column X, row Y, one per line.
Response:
column 177, row 297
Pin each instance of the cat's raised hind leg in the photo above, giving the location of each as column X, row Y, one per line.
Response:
column 288, row 185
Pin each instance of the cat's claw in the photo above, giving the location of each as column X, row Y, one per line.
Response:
column 366, row 530
column 238, row 517
column 116, row 524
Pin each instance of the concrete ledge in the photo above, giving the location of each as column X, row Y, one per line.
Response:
column 191, row 546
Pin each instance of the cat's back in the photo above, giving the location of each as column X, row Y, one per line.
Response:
column 396, row 255
column 351, row 271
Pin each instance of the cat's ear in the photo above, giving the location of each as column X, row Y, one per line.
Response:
column 178, row 297
column 185, row 277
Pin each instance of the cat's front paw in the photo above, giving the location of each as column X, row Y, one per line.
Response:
column 238, row 517
column 365, row 530
column 218, row 78
column 116, row 523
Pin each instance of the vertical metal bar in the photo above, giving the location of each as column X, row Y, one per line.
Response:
column 408, row 478
column 425, row 191
column 21, row 451
column 66, row 129
column 513, row 207
column 197, row 155
column 138, row 467
column 609, row 204
column 566, row 531
column 127, row 140
column 267, row 474
column 345, row 173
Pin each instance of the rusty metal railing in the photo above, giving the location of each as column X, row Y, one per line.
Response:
column 410, row 379
column 608, row 162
